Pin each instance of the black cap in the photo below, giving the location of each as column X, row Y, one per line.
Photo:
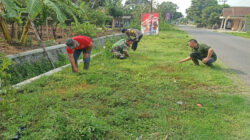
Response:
column 70, row 43
column 124, row 30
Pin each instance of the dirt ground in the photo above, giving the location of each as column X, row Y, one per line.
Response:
column 8, row 49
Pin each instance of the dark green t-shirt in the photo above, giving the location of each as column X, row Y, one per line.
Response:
column 202, row 50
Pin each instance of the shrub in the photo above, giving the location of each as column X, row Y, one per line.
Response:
column 99, row 18
column 4, row 75
column 86, row 29
column 134, row 24
column 50, row 42
column 166, row 27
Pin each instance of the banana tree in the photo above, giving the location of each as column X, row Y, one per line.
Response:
column 9, row 10
column 4, row 28
column 34, row 7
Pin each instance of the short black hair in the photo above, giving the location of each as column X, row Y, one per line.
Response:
column 124, row 30
column 193, row 40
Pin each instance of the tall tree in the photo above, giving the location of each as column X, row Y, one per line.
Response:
column 168, row 7
column 194, row 13
column 211, row 15
column 136, row 2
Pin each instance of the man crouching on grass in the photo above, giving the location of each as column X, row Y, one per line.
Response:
column 120, row 48
column 75, row 46
column 200, row 52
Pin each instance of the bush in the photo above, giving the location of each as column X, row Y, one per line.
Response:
column 4, row 75
column 134, row 24
column 99, row 18
column 50, row 42
column 86, row 29
column 166, row 27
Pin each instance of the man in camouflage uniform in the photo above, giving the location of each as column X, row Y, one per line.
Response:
column 119, row 49
column 200, row 52
column 133, row 34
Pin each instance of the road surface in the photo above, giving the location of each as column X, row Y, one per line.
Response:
column 233, row 51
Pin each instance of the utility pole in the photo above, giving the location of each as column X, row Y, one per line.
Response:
column 151, row 8
column 224, row 2
column 151, row 11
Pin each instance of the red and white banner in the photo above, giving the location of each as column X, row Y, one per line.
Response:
column 150, row 23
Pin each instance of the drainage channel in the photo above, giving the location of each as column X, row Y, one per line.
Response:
column 46, row 74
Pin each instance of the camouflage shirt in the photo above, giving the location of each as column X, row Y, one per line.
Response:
column 202, row 50
column 120, row 46
column 133, row 34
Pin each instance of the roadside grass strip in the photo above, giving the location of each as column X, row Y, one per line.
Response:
column 240, row 34
column 147, row 96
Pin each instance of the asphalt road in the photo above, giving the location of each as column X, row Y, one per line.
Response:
column 233, row 51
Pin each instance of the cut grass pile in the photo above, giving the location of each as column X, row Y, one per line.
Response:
column 127, row 99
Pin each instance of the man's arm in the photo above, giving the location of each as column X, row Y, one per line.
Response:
column 72, row 61
column 209, row 54
column 126, row 53
column 186, row 59
column 128, row 35
column 137, row 35
column 91, row 45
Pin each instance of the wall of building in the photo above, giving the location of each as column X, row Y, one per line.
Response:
column 235, row 25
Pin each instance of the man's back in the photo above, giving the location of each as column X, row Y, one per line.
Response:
column 120, row 46
column 202, row 49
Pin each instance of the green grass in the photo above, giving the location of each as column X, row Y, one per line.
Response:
column 245, row 35
column 126, row 99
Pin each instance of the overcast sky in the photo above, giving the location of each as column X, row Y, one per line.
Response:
column 184, row 4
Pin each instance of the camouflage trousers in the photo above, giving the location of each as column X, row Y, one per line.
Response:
column 118, row 55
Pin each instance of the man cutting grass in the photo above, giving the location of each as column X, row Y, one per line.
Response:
column 76, row 46
column 200, row 52
column 133, row 34
column 120, row 48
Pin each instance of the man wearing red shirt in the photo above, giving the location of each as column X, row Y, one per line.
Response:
column 75, row 46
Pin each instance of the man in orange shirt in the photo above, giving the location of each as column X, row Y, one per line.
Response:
column 76, row 46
